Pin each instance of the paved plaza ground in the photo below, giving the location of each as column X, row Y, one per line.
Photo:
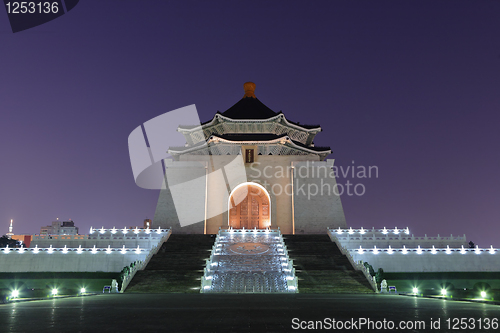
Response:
column 237, row 313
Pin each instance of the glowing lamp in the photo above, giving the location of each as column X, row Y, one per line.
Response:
column 443, row 292
column 82, row 291
column 415, row 290
column 405, row 251
column 419, row 250
column 483, row 294
column 360, row 250
column 390, row 250
column 448, row 251
column 375, row 250
column 433, row 251
column 54, row 292
column 15, row 293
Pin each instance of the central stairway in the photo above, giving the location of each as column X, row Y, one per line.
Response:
column 249, row 261
column 321, row 267
column 176, row 268
column 180, row 264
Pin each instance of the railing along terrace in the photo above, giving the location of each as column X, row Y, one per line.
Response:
column 362, row 231
column 125, row 231
column 420, row 250
column 362, row 234
column 78, row 250
column 114, row 233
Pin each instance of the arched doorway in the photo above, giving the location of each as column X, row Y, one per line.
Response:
column 249, row 207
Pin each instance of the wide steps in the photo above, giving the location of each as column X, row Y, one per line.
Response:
column 321, row 267
column 176, row 268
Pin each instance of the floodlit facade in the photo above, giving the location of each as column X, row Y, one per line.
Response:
column 249, row 167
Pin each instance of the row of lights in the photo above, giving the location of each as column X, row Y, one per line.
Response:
column 419, row 250
column 54, row 292
column 125, row 230
column 243, row 230
column 362, row 231
column 444, row 292
column 65, row 250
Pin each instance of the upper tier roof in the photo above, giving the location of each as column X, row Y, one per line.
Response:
column 249, row 108
column 247, row 116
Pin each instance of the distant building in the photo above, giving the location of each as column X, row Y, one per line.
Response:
column 24, row 239
column 60, row 228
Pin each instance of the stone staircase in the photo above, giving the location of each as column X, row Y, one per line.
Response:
column 249, row 261
column 321, row 268
column 176, row 268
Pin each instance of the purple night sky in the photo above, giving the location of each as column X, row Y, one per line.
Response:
column 411, row 87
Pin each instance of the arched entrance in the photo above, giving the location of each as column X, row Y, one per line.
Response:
column 249, row 207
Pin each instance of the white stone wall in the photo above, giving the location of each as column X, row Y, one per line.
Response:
column 103, row 250
column 454, row 260
column 395, row 250
column 72, row 261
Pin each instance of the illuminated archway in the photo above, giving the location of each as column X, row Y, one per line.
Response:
column 249, row 207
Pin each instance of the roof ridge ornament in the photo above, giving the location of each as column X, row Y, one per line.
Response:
column 249, row 88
